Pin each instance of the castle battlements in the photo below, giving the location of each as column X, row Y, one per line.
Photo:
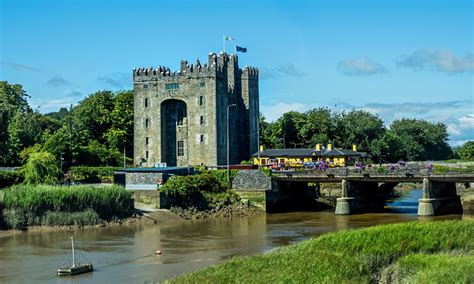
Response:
column 217, row 65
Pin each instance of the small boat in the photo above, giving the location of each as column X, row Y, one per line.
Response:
column 76, row 268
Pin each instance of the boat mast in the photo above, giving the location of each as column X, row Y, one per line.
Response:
column 73, row 258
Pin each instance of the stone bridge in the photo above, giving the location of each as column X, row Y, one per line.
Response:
column 366, row 193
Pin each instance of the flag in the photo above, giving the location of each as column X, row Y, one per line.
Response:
column 240, row 49
column 228, row 38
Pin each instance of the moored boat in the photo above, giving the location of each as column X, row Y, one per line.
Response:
column 75, row 268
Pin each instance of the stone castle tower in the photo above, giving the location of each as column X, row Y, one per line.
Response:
column 180, row 118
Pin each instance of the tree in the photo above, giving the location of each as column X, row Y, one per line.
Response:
column 13, row 101
column 421, row 140
column 358, row 127
column 120, row 135
column 92, row 117
column 41, row 168
column 317, row 127
column 466, row 151
column 287, row 129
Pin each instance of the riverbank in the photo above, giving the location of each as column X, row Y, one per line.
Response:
column 160, row 216
column 427, row 251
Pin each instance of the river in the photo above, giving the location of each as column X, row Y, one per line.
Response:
column 125, row 254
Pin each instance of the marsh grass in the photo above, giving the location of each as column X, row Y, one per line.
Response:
column 31, row 204
column 343, row 257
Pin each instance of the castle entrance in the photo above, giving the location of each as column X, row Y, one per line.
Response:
column 173, row 132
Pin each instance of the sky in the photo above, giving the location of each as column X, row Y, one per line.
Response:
column 393, row 58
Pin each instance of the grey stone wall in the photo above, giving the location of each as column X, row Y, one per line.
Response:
column 251, row 180
column 206, row 91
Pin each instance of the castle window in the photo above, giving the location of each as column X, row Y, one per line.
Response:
column 146, row 102
column 202, row 139
column 180, row 148
column 171, row 86
column 147, row 140
column 202, row 84
column 147, row 123
column 145, row 86
column 146, row 155
column 201, row 100
column 201, row 120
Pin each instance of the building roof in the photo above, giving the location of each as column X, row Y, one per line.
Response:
column 306, row 152
column 292, row 152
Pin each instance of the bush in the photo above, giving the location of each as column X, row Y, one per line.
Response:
column 221, row 176
column 108, row 202
column 187, row 191
column 92, row 174
column 41, row 168
column 8, row 178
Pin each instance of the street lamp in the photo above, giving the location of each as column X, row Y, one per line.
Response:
column 228, row 144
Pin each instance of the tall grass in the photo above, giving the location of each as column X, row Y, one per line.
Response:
column 29, row 200
column 343, row 257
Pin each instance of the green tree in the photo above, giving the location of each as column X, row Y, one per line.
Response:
column 466, row 151
column 421, row 140
column 41, row 167
column 120, row 135
column 92, row 116
column 358, row 127
column 287, row 130
column 317, row 127
column 13, row 100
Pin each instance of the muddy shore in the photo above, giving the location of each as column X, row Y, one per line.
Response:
column 150, row 218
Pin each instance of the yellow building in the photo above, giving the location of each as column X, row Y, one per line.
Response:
column 297, row 157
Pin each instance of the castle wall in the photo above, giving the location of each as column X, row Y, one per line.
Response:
column 201, row 93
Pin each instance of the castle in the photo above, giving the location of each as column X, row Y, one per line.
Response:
column 181, row 118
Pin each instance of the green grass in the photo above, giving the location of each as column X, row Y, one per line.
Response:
column 439, row 268
column 343, row 257
column 24, row 203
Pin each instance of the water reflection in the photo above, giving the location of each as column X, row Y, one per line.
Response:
column 125, row 254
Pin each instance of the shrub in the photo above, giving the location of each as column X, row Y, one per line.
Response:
column 221, row 176
column 41, row 168
column 92, row 174
column 188, row 191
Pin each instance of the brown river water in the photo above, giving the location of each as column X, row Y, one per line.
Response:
column 125, row 254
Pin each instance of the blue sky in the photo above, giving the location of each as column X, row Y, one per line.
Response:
column 394, row 58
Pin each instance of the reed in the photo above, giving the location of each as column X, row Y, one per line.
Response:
column 36, row 200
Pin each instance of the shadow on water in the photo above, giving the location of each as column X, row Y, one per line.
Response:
column 407, row 204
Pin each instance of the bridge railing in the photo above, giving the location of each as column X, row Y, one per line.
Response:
column 405, row 170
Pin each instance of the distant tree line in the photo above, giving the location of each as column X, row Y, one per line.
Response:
column 96, row 131
column 406, row 139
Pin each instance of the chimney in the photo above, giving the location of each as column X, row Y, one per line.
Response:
column 329, row 147
column 354, row 147
column 318, row 147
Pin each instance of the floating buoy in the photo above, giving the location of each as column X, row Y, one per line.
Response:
column 158, row 252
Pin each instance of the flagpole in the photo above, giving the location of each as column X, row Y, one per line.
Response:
column 235, row 48
column 223, row 42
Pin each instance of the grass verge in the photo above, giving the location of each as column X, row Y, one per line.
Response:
column 350, row 256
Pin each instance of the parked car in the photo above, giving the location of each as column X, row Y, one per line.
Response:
column 311, row 164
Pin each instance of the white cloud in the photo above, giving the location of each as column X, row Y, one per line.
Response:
column 360, row 67
column 274, row 111
column 284, row 70
column 438, row 60
column 57, row 81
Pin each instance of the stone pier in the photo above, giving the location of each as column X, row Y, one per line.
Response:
column 439, row 198
column 359, row 197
